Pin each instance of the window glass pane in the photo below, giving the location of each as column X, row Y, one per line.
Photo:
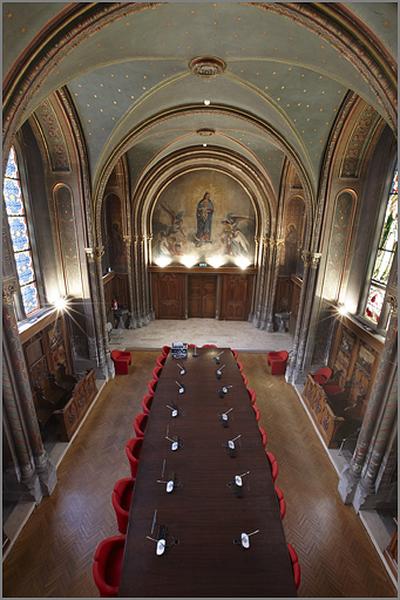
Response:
column 12, row 197
column 30, row 298
column 25, row 270
column 375, row 299
column 19, row 233
column 395, row 184
column 12, row 168
column 389, row 231
column 382, row 266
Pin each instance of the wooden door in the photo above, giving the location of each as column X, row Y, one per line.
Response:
column 202, row 296
column 235, row 297
column 169, row 295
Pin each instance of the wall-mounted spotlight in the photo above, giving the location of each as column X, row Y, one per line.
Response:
column 163, row 261
column 242, row 262
column 216, row 261
column 204, row 145
column 207, row 102
column 60, row 303
column 188, row 260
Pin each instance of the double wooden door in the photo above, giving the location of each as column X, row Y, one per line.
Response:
column 202, row 296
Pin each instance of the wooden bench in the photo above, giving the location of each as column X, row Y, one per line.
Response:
column 72, row 413
column 327, row 422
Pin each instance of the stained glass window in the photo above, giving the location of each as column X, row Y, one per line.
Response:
column 384, row 257
column 15, row 208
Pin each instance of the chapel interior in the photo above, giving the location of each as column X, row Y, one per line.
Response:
column 218, row 173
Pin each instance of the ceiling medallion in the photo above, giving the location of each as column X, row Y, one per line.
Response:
column 205, row 131
column 207, row 66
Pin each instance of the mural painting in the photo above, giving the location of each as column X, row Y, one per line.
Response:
column 204, row 214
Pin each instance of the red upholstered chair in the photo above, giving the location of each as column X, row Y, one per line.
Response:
column 160, row 360
column 132, row 450
column 264, row 437
column 252, row 395
column 322, row 375
column 121, row 360
column 107, row 565
column 273, row 464
column 256, row 412
column 277, row 361
column 245, row 380
column 235, row 354
column 146, row 403
column 239, row 364
column 332, row 388
column 166, row 350
column 139, row 424
column 295, row 565
column 121, row 500
column 151, row 386
column 281, row 500
column 209, row 346
column 156, row 373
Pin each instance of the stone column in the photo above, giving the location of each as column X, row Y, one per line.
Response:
column 34, row 469
column 263, row 284
column 106, row 365
column 275, row 258
column 295, row 370
column 380, row 393
column 128, row 244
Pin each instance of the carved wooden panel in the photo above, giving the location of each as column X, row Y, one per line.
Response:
column 235, row 297
column 202, row 296
column 169, row 295
column 344, row 357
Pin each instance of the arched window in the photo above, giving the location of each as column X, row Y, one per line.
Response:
column 383, row 259
column 17, row 220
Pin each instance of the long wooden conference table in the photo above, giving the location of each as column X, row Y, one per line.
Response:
column 202, row 519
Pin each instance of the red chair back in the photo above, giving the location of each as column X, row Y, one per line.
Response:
column 256, row 412
column 239, row 364
column 252, row 395
column 151, row 386
column 245, row 380
column 160, row 360
column 235, row 354
column 165, row 350
column 146, row 403
column 121, row 500
column 132, row 450
column 140, row 423
column 274, row 465
column 209, row 346
column 156, row 373
column 295, row 565
column 107, row 565
column 281, row 500
column 264, row 437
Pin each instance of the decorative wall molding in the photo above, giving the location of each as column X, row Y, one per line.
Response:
column 51, row 131
column 358, row 142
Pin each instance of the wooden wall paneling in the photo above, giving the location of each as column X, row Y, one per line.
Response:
column 169, row 295
column 235, row 297
column 120, row 288
column 202, row 296
column 295, row 301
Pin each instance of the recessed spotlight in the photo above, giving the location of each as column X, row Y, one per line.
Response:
column 207, row 102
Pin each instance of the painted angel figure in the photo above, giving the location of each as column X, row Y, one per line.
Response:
column 174, row 237
column 232, row 237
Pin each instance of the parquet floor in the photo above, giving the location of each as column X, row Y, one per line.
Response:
column 53, row 555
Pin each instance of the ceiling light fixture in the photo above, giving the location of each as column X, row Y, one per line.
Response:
column 204, row 145
column 207, row 102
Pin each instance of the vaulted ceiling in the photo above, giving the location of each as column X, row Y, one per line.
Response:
column 278, row 94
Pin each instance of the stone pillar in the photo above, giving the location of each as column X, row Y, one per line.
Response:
column 275, row 258
column 295, row 369
column 34, row 469
column 106, row 366
column 364, row 463
column 128, row 244
column 263, row 284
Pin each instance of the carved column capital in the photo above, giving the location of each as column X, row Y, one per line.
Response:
column 311, row 259
column 127, row 239
column 95, row 253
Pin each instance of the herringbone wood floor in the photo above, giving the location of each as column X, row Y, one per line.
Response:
column 53, row 555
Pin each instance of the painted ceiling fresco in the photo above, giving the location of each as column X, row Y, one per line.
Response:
column 137, row 67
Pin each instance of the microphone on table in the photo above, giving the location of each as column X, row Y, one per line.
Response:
column 218, row 372
column 225, row 417
column 182, row 369
column 181, row 387
column 217, row 357
column 224, row 390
